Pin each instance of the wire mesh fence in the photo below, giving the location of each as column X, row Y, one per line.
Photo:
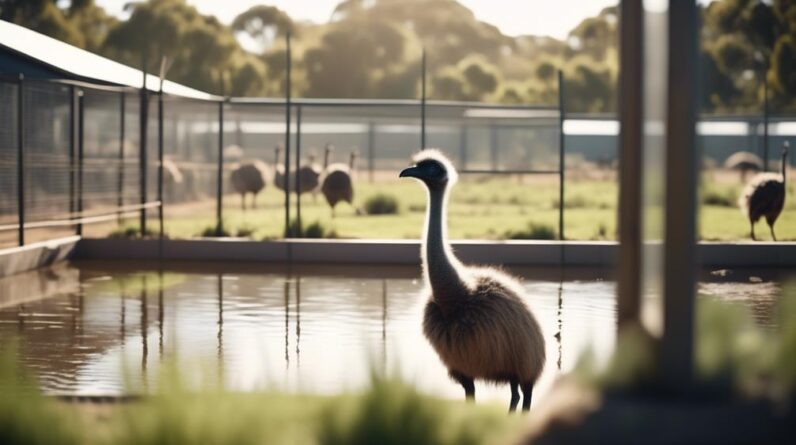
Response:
column 85, row 169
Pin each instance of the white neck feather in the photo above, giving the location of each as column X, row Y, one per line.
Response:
column 443, row 271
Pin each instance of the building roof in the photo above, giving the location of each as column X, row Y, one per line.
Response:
column 70, row 62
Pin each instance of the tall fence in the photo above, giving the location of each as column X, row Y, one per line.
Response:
column 79, row 158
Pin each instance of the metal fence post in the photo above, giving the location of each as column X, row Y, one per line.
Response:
column 220, row 172
column 120, row 184
column 287, row 136
column 144, row 121
column 161, row 227
column 72, row 149
column 561, row 153
column 765, row 117
column 463, row 147
column 423, row 102
column 298, row 169
column 80, row 159
column 371, row 148
column 493, row 146
column 21, row 159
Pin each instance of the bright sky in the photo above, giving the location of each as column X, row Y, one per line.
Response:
column 513, row 17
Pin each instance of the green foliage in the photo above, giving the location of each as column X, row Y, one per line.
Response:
column 215, row 231
column 535, row 231
column 314, row 230
column 717, row 197
column 26, row 417
column 388, row 412
column 131, row 232
column 382, row 204
column 371, row 49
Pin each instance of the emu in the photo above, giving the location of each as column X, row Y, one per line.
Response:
column 764, row 196
column 475, row 317
column 249, row 177
column 309, row 174
column 744, row 162
column 337, row 181
column 309, row 177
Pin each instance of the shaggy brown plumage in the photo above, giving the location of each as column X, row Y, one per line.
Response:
column 338, row 184
column 309, row 176
column 249, row 177
column 764, row 196
column 475, row 317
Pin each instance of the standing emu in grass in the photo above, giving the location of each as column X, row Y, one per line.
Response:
column 338, row 184
column 279, row 169
column 765, row 196
column 475, row 318
column 249, row 177
column 309, row 177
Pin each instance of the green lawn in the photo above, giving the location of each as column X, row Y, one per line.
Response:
column 480, row 208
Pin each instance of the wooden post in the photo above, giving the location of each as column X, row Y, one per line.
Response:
column 631, row 140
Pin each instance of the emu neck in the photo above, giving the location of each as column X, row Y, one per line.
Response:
column 784, row 170
column 440, row 265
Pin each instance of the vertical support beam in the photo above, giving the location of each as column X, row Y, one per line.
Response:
column 423, row 101
column 298, row 168
column 765, row 115
column 288, row 86
column 371, row 148
column 72, row 149
column 161, row 228
column 143, row 161
column 21, row 159
column 120, row 184
column 493, row 146
column 463, row 147
column 562, row 167
column 631, row 140
column 80, row 158
column 220, row 172
column 680, row 263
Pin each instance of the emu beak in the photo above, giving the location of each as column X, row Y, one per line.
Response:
column 411, row 172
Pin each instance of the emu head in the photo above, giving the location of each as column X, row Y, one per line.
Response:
column 432, row 168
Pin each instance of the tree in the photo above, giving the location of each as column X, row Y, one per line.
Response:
column 264, row 24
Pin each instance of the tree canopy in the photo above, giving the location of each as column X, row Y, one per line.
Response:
column 372, row 49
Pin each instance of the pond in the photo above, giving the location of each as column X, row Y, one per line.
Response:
column 108, row 328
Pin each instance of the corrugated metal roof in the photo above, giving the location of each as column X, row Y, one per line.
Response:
column 81, row 64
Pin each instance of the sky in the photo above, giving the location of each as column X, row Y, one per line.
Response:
column 513, row 17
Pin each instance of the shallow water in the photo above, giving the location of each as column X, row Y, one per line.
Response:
column 106, row 328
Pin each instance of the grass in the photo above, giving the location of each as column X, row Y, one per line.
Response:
column 533, row 231
column 480, row 208
column 388, row 412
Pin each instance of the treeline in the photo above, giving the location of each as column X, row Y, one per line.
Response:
column 372, row 49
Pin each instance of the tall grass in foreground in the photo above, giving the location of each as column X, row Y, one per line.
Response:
column 388, row 412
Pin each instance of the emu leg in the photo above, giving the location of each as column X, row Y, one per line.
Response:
column 771, row 227
column 753, row 230
column 466, row 382
column 254, row 200
column 515, row 396
column 243, row 201
column 527, row 391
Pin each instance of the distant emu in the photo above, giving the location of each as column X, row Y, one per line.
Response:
column 309, row 177
column 744, row 162
column 764, row 196
column 249, row 177
column 279, row 169
column 338, row 184
column 475, row 317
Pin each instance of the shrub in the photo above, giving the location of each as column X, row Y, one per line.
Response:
column 532, row 231
column 246, row 231
column 215, row 232
column 314, row 229
column 718, row 198
column 381, row 204
column 130, row 232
